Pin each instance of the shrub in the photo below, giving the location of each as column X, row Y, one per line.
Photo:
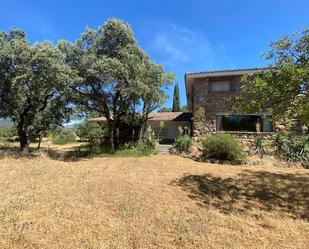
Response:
column 8, row 133
column 260, row 146
column 54, row 132
column 65, row 137
column 147, row 146
column 182, row 143
column 93, row 132
column 292, row 147
column 224, row 147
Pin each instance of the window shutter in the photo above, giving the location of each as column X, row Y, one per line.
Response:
column 220, row 86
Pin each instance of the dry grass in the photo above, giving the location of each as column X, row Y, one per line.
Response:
column 150, row 202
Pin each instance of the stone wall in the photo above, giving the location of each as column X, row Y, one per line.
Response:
column 211, row 103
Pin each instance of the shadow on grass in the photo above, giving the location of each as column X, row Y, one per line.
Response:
column 74, row 154
column 87, row 152
column 14, row 152
column 283, row 192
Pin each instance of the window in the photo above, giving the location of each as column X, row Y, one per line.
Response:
column 246, row 123
column 220, row 86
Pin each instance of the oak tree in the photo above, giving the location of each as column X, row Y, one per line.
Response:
column 34, row 81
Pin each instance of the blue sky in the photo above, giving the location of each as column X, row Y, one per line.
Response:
column 184, row 36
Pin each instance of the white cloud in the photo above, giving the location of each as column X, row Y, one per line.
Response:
column 166, row 45
column 184, row 47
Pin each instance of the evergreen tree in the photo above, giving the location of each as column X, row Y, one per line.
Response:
column 34, row 85
column 176, row 100
column 118, row 79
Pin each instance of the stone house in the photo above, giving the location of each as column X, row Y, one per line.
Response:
column 207, row 98
column 165, row 124
column 208, row 95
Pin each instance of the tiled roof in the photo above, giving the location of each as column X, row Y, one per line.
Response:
column 243, row 70
column 170, row 116
column 161, row 116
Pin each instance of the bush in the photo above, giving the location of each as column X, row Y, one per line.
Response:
column 8, row 133
column 132, row 149
column 147, row 146
column 292, row 147
column 224, row 147
column 92, row 132
column 54, row 132
column 259, row 146
column 65, row 137
column 182, row 143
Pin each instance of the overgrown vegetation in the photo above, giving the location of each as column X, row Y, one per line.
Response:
column 92, row 132
column 259, row 146
column 7, row 133
column 223, row 146
column 182, row 143
column 147, row 146
column 65, row 137
column 292, row 147
column 140, row 148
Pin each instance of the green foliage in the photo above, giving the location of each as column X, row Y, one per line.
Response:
column 118, row 80
column 165, row 109
column 65, row 137
column 147, row 146
column 223, row 146
column 292, row 147
column 34, row 84
column 182, row 143
column 132, row 149
column 284, row 88
column 97, row 151
column 259, row 145
column 184, row 108
column 93, row 132
column 7, row 133
column 53, row 132
column 176, row 100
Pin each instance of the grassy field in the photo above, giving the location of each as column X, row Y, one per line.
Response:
column 151, row 202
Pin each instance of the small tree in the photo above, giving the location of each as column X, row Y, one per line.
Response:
column 34, row 84
column 93, row 132
column 176, row 100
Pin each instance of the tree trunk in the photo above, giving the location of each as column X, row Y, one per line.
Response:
column 40, row 141
column 141, row 133
column 23, row 142
column 111, row 137
column 133, row 134
column 117, row 137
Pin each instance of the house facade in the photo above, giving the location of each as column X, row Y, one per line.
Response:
column 209, row 109
column 166, row 125
column 208, row 95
